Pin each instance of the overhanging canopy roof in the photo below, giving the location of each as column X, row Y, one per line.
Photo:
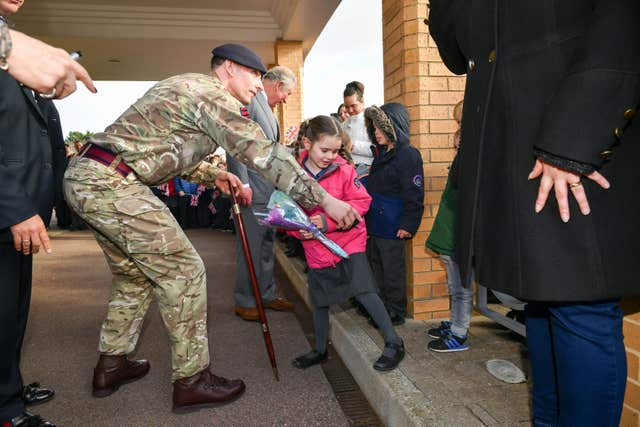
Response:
column 153, row 39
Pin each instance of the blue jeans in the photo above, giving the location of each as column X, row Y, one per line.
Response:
column 461, row 298
column 578, row 363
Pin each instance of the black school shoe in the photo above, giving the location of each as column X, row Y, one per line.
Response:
column 34, row 394
column 385, row 363
column 309, row 359
column 27, row 419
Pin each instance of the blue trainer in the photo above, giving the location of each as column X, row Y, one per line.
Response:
column 440, row 331
column 448, row 343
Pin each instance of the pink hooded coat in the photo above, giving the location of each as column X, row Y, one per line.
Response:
column 341, row 182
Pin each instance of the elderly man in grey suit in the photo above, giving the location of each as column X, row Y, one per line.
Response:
column 278, row 84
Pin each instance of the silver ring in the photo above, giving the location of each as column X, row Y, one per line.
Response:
column 26, row 241
column 49, row 95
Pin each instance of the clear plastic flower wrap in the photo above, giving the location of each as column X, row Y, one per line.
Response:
column 285, row 213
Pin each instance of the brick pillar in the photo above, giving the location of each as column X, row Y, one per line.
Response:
column 415, row 76
column 289, row 54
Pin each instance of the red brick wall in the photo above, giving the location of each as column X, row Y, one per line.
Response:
column 631, row 330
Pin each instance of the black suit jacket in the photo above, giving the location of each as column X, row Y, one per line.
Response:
column 58, row 151
column 26, row 160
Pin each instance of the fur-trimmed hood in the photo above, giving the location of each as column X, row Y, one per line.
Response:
column 392, row 119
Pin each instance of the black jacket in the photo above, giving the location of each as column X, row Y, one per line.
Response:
column 58, row 151
column 556, row 78
column 26, row 160
column 395, row 182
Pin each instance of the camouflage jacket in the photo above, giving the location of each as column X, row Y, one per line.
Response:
column 181, row 120
column 5, row 41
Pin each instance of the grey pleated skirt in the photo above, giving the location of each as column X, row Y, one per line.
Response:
column 334, row 285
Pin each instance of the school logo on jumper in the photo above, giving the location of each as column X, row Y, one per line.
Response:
column 418, row 181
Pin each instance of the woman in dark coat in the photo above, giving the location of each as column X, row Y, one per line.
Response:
column 549, row 181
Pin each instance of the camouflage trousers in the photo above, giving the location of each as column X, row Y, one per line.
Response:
column 148, row 254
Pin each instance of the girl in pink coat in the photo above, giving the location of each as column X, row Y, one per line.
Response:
column 331, row 279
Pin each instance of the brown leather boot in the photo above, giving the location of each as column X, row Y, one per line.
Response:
column 204, row 390
column 114, row 371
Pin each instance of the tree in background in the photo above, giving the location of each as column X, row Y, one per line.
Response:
column 75, row 141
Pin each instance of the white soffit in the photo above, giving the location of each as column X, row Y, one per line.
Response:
column 149, row 22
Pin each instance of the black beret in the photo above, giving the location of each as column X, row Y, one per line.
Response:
column 241, row 55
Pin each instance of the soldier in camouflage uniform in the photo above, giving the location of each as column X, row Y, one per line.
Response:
column 167, row 133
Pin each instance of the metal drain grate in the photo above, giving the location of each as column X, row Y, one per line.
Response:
column 353, row 402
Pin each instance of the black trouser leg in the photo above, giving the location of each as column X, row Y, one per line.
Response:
column 387, row 258
column 373, row 255
column 15, row 296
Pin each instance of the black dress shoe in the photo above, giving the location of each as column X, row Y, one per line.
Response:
column 309, row 359
column 27, row 419
column 33, row 394
column 386, row 363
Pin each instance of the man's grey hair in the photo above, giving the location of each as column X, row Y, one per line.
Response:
column 280, row 73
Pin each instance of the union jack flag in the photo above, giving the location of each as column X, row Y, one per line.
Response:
column 291, row 134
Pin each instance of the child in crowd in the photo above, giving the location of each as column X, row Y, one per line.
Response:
column 451, row 335
column 397, row 191
column 331, row 278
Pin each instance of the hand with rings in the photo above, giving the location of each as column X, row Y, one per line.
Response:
column 552, row 177
column 29, row 235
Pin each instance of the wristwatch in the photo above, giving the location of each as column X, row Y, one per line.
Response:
column 5, row 45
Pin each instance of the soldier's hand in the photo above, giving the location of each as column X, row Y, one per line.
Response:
column 227, row 182
column 341, row 212
column 29, row 235
column 44, row 68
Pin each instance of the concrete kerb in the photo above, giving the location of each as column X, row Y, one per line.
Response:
column 394, row 397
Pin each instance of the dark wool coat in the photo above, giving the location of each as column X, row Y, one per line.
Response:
column 556, row 78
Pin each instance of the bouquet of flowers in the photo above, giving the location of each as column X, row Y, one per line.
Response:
column 285, row 213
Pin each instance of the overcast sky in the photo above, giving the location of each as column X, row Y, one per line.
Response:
column 349, row 48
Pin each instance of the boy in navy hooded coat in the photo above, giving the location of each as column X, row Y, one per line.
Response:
column 396, row 186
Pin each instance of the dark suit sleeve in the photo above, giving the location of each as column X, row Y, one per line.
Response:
column 442, row 17
column 412, row 182
column 15, row 204
column 17, row 129
column 602, row 83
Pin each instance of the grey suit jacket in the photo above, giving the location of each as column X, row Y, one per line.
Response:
column 260, row 112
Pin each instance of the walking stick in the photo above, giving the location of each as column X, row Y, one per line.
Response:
column 254, row 283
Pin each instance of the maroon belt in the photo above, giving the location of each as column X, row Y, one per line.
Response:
column 106, row 157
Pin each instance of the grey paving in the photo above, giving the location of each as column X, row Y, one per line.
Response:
column 69, row 301
column 430, row 389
